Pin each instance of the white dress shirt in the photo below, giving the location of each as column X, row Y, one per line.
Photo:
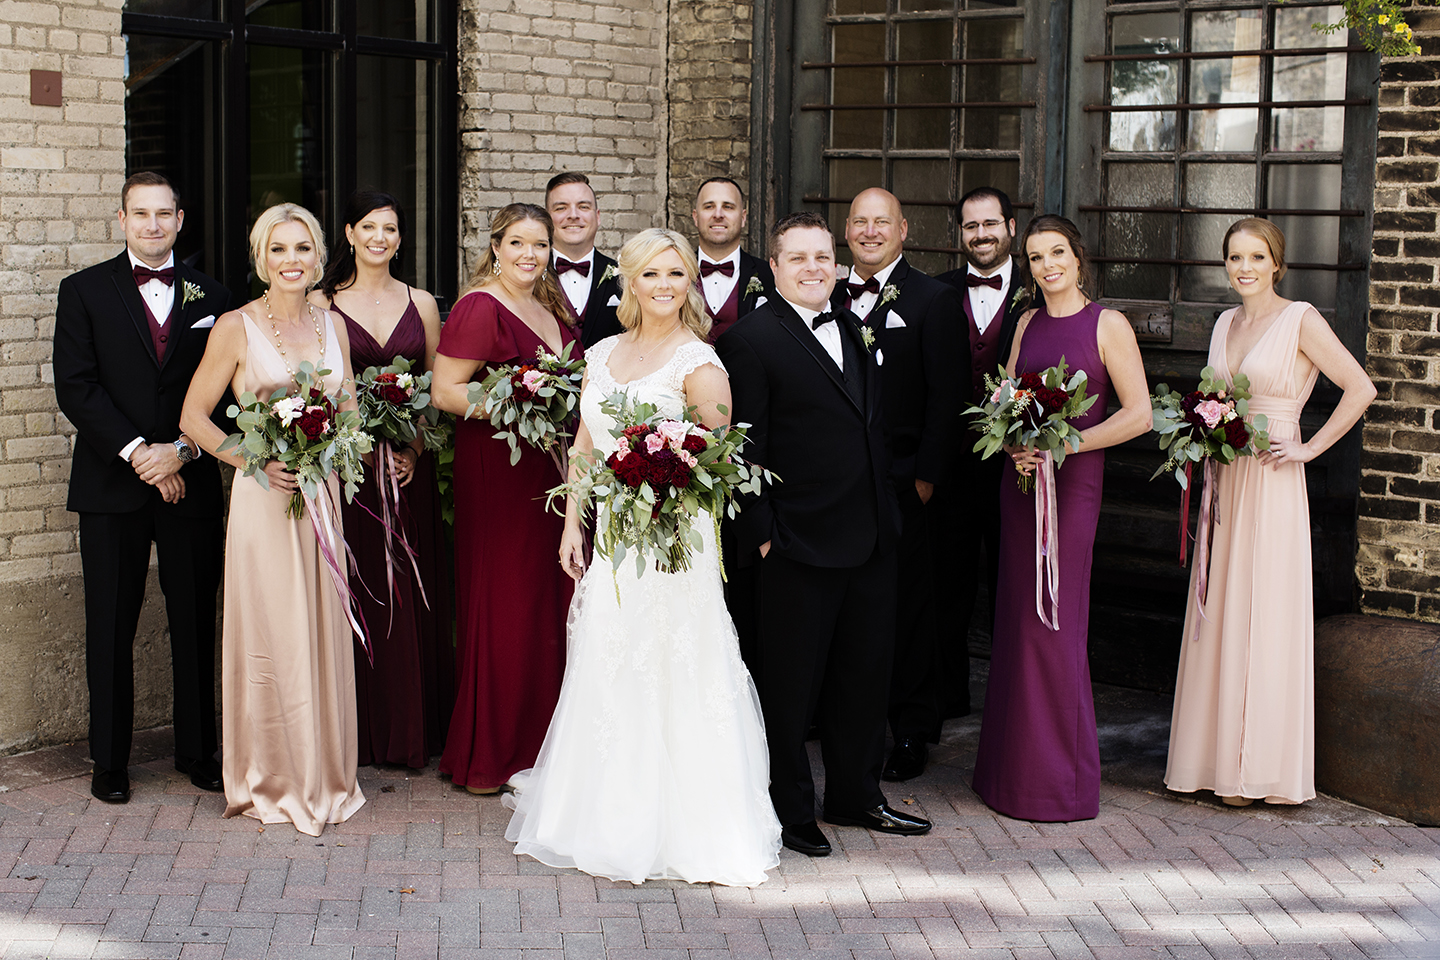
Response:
column 576, row 287
column 987, row 303
column 828, row 333
column 160, row 298
column 717, row 286
column 866, row 302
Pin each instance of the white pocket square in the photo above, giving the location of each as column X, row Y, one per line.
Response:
column 202, row 324
column 893, row 320
column 760, row 302
column 614, row 301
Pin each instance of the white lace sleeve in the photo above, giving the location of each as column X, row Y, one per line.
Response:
column 689, row 356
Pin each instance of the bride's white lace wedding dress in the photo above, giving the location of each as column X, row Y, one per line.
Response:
column 655, row 764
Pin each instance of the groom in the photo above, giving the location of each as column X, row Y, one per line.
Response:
column 822, row 539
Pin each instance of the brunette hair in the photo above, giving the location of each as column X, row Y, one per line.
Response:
column 266, row 224
column 340, row 273
column 795, row 221
column 636, row 255
column 1273, row 236
column 547, row 288
column 1007, row 211
column 1052, row 223
column 711, row 180
column 568, row 177
column 146, row 178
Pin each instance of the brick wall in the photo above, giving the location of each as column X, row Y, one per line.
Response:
column 709, row 90
column 546, row 86
column 1399, row 532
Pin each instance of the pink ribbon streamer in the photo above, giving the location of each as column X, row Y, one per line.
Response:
column 388, row 493
column 1209, row 516
column 322, row 513
column 1047, row 542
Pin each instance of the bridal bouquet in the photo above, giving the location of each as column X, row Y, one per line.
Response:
column 305, row 432
column 1032, row 410
column 1207, row 422
column 666, row 476
column 395, row 405
column 532, row 401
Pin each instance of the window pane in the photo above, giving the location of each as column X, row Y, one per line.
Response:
column 1219, row 185
column 909, row 5
column 844, row 7
column 1294, row 28
column 986, row 128
column 1141, row 185
column 923, row 40
column 1200, row 239
column 400, row 19
column 1003, row 175
column 852, row 43
column 392, row 148
column 1312, row 77
column 296, row 14
column 1310, row 186
column 198, row 9
column 1138, row 235
column 1144, row 81
column 850, row 175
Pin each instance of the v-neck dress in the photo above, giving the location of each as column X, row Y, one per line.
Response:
column 287, row 672
column 403, row 701
column 511, row 594
column 1244, row 718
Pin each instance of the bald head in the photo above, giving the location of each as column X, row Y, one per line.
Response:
column 875, row 231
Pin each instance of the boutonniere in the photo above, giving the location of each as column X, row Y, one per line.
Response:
column 867, row 336
column 890, row 292
column 754, row 286
column 1020, row 296
column 609, row 272
column 190, row 291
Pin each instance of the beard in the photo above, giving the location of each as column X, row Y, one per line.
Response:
column 989, row 255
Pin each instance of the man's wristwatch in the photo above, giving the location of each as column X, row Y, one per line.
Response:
column 183, row 451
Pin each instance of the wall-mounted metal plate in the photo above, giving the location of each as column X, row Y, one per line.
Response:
column 45, row 88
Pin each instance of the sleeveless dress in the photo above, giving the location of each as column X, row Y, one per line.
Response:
column 511, row 595
column 1244, row 716
column 655, row 765
column 287, row 673
column 1039, row 753
column 403, row 702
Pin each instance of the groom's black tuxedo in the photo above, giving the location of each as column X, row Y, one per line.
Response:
column 825, row 611
column 599, row 320
column 113, row 388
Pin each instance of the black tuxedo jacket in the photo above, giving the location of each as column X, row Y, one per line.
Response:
column 1014, row 307
column 833, row 505
column 600, row 320
column 113, row 389
column 926, row 356
column 750, row 268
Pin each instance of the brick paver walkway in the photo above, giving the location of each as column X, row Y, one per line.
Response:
column 424, row 871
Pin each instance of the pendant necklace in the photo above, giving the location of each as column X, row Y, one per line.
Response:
column 662, row 342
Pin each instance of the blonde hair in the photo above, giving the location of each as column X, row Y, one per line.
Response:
column 266, row 224
column 636, row 255
column 547, row 287
column 1273, row 236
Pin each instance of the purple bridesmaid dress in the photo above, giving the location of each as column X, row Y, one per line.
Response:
column 1039, row 756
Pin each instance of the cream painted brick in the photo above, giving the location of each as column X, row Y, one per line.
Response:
column 101, row 20
column 112, row 114
column 12, row 426
column 17, row 328
column 94, row 43
column 30, row 37
column 41, row 495
column 32, row 158
column 60, row 231
column 15, row 12
column 21, row 521
column 32, row 568
column 56, row 471
column 34, row 255
column 19, row 375
column 103, row 67
column 16, row 281
column 36, row 423
column 58, row 518
column 14, row 474
column 41, row 544
column 84, row 255
column 63, row 40
column 80, row 159
column 37, row 448
column 30, row 231
column 22, row 400
column 17, row 132
column 65, row 565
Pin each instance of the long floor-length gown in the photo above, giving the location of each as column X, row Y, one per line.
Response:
column 287, row 673
column 403, row 701
column 655, row 765
column 1039, row 754
column 511, row 593
column 1244, row 716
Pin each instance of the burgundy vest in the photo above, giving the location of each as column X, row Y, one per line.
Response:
column 984, row 348
column 160, row 335
column 729, row 310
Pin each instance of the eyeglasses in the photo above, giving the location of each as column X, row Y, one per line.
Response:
column 987, row 224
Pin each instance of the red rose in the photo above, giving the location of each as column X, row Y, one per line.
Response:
column 1031, row 381
column 693, row 444
column 1235, row 433
column 1052, row 399
column 313, row 423
column 638, row 430
column 393, row 394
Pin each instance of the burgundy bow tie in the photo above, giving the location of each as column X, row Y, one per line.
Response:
column 144, row 275
column 975, row 280
column 565, row 266
column 869, row 286
column 707, row 268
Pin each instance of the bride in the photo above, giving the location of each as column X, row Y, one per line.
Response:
column 655, row 765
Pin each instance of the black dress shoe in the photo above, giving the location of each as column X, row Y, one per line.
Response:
column 805, row 838
column 881, row 819
column 112, row 786
column 907, row 760
column 205, row 774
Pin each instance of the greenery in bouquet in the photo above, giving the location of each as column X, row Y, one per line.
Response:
column 666, row 477
column 395, row 405
column 306, row 432
column 533, row 401
column 1206, row 422
column 1033, row 411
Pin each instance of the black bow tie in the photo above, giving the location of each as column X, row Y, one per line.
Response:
column 869, row 286
column 565, row 266
column 707, row 268
column 975, row 280
column 144, row 275
column 821, row 319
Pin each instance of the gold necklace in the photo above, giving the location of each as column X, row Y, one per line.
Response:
column 280, row 344
column 662, row 342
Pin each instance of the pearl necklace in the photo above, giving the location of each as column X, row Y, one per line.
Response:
column 280, row 344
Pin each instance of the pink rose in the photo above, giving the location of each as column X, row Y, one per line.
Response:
column 1211, row 411
column 688, row 459
column 673, row 432
column 533, row 380
column 995, row 397
column 654, row 443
